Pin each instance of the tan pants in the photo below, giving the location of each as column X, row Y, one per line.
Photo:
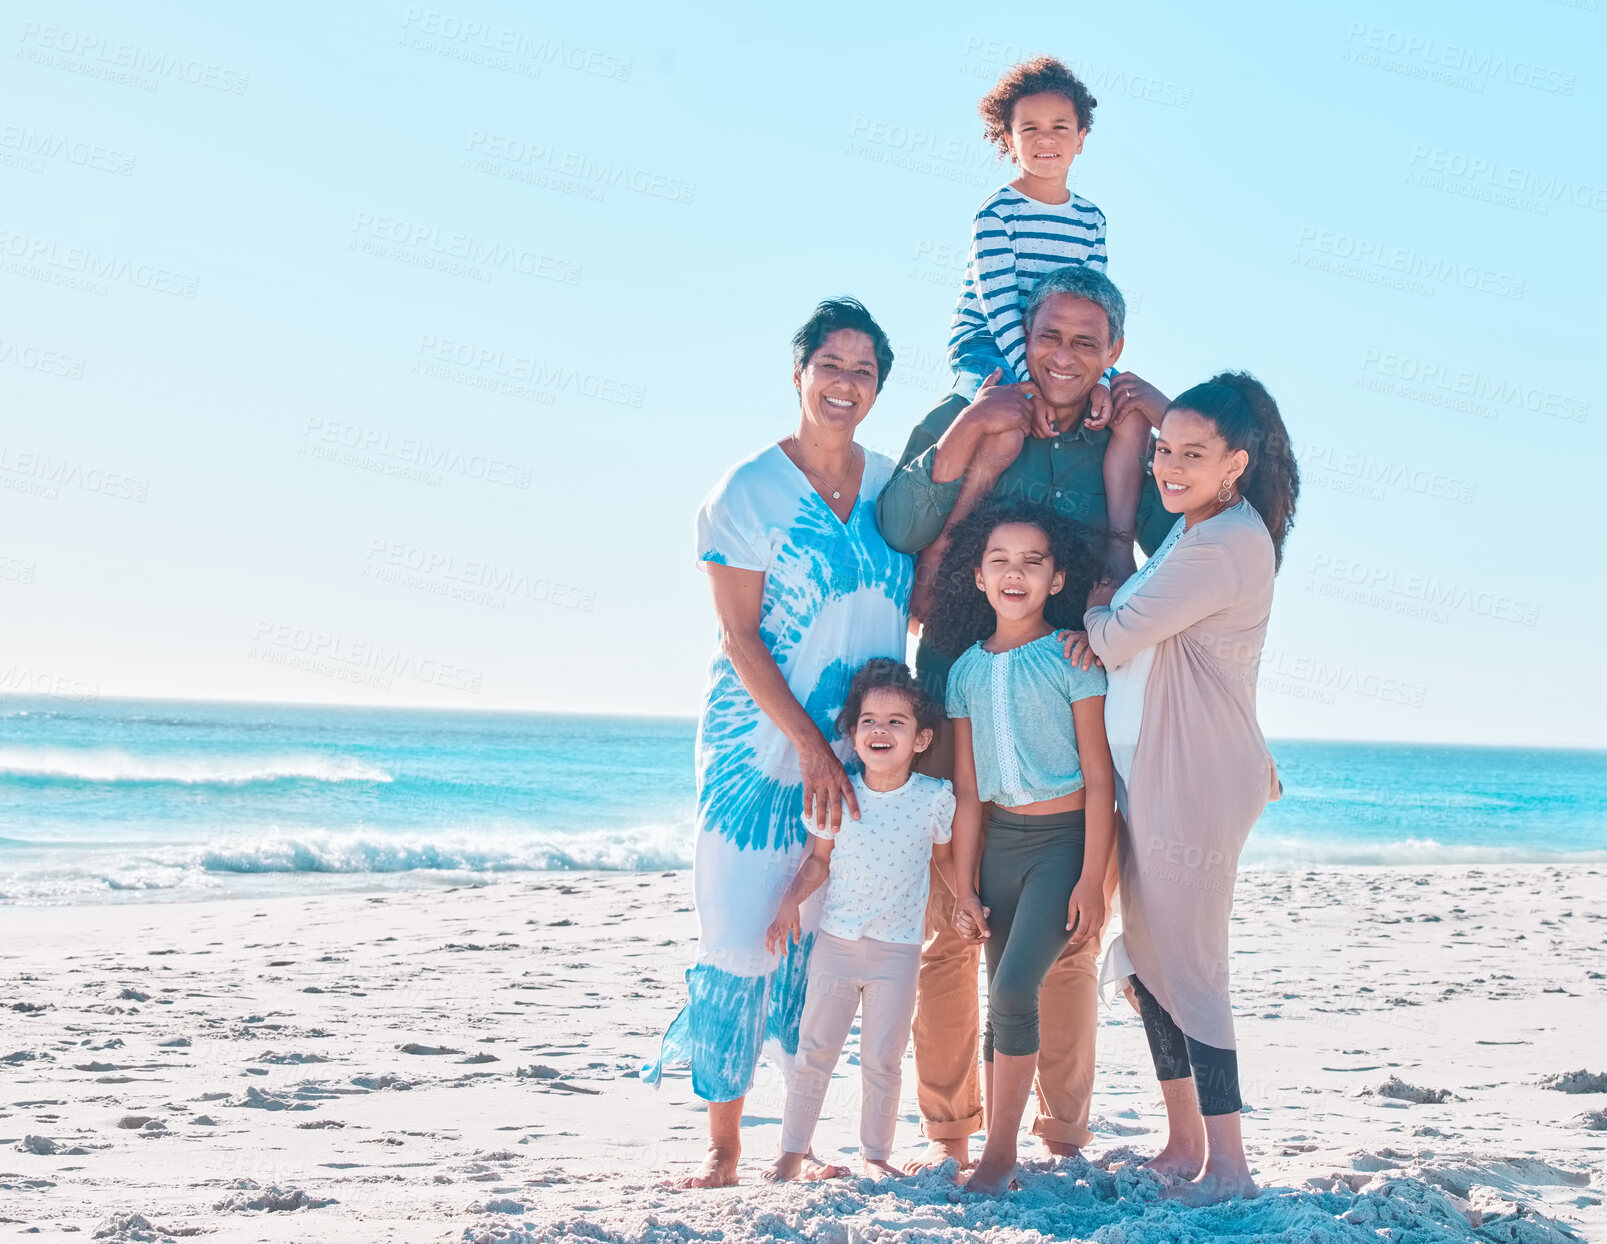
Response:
column 946, row 1034
column 843, row 973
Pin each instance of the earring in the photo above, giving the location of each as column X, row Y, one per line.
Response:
column 1225, row 493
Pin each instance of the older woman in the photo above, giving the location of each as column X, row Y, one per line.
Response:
column 1181, row 641
column 805, row 591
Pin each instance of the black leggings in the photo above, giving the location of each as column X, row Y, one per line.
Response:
column 1216, row 1072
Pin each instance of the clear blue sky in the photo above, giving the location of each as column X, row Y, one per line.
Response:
column 237, row 242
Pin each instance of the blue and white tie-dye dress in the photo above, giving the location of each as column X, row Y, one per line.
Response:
column 835, row 595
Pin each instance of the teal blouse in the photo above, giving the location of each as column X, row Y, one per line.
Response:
column 1019, row 703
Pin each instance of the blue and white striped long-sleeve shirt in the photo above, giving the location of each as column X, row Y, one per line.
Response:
column 1014, row 241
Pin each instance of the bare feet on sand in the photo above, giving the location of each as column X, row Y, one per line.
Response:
column 1212, row 1190
column 719, row 1171
column 790, row 1166
column 957, row 1148
column 991, row 1176
column 1177, row 1162
column 879, row 1168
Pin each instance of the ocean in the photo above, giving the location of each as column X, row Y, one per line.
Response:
column 119, row 801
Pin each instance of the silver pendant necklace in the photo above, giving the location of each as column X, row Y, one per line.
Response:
column 836, row 494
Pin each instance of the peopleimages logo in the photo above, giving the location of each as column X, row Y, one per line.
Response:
column 1425, row 54
column 41, row 145
column 475, row 255
column 523, row 160
column 97, row 53
column 407, row 457
column 83, row 267
column 478, row 37
column 1423, row 379
column 1349, row 255
column 1394, row 589
column 355, row 660
column 1483, row 173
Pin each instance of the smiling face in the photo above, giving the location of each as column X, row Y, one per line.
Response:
column 837, row 386
column 1045, row 137
column 1192, row 462
column 1068, row 349
column 1018, row 573
column 887, row 735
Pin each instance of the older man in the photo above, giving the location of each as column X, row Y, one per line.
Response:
column 1028, row 441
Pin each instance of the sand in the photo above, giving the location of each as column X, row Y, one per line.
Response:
column 1423, row 1057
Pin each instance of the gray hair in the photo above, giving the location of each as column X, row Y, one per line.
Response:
column 1080, row 282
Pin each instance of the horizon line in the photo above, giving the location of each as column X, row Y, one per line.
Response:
column 61, row 702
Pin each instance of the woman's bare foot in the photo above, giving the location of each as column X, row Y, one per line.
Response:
column 790, row 1166
column 1212, row 1189
column 992, row 1175
column 1177, row 1162
column 957, row 1148
column 879, row 1168
column 719, row 1171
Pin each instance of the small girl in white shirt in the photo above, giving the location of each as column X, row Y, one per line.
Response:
column 873, row 921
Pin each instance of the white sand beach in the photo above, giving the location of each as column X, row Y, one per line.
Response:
column 460, row 1065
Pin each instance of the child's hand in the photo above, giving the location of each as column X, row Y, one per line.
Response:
column 971, row 918
column 785, row 929
column 1101, row 407
column 1101, row 594
column 1085, row 914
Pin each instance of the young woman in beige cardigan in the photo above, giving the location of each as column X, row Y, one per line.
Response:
column 1181, row 642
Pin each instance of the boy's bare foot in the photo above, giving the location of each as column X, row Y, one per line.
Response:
column 1060, row 1149
column 957, row 1148
column 790, row 1166
column 719, row 1171
column 879, row 1168
column 991, row 1176
column 1212, row 1189
column 1177, row 1162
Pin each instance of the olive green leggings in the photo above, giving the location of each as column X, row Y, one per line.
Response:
column 1030, row 865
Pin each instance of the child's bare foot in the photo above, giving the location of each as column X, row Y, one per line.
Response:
column 1060, row 1149
column 879, row 1168
column 992, row 1175
column 957, row 1148
column 1177, row 1161
column 719, row 1171
column 1212, row 1189
column 790, row 1166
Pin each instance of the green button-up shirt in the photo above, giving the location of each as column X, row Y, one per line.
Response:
column 1066, row 472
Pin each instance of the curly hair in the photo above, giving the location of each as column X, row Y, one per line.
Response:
column 886, row 674
column 1244, row 414
column 961, row 614
column 1032, row 77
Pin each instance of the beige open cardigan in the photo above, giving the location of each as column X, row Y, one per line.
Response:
column 1201, row 773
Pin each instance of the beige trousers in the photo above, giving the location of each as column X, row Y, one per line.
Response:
column 843, row 973
column 947, row 1030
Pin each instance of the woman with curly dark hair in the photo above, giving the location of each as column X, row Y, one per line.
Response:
column 1182, row 641
column 1029, row 740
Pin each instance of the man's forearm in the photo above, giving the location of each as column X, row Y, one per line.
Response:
column 955, row 449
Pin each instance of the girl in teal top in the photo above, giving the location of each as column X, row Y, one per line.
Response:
column 1029, row 740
